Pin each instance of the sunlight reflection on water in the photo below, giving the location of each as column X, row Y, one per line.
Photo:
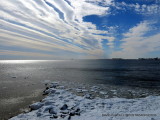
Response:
column 21, row 61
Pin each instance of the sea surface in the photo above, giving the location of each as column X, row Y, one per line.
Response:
column 22, row 81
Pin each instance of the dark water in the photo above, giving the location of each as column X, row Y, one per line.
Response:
column 22, row 81
column 138, row 73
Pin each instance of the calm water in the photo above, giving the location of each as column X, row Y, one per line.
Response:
column 22, row 81
column 137, row 73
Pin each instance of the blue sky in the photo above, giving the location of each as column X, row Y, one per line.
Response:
column 79, row 29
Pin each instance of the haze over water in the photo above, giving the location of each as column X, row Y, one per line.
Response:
column 138, row 73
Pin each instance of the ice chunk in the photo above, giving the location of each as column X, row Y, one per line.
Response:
column 81, row 90
column 36, row 106
column 52, row 111
column 103, row 93
column 54, row 84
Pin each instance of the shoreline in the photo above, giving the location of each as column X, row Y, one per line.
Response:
column 20, row 78
column 88, row 107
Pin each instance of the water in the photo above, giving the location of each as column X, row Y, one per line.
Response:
column 21, row 82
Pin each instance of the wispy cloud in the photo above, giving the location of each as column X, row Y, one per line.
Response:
column 137, row 44
column 143, row 8
column 18, row 53
column 57, row 27
column 51, row 24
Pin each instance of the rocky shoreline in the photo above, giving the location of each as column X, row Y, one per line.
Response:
column 62, row 104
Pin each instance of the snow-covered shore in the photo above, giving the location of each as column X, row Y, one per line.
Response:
column 62, row 104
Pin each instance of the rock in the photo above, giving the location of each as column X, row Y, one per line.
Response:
column 52, row 111
column 46, row 92
column 65, row 111
column 53, row 91
column 64, row 107
column 72, row 113
column 61, row 97
column 47, row 103
column 63, row 115
column 36, row 106
column 47, row 88
column 54, row 84
column 78, row 114
column 39, row 114
column 67, row 100
column 77, row 110
column 46, row 109
column 57, row 92
column 88, row 96
column 54, row 116
column 69, row 118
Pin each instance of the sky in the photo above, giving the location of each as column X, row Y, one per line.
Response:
column 79, row 29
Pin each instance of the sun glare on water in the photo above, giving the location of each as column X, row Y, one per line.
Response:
column 20, row 61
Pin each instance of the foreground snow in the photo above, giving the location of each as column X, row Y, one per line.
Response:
column 61, row 104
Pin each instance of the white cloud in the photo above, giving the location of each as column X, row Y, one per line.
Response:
column 144, row 9
column 55, row 24
column 19, row 53
column 138, row 30
column 136, row 44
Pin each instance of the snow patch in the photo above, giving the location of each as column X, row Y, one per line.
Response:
column 61, row 104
